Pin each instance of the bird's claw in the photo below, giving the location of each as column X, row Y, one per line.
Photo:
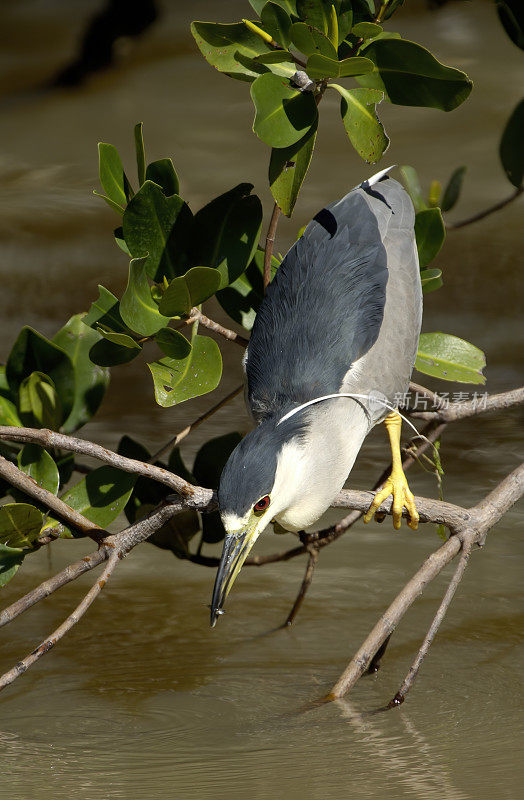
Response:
column 397, row 486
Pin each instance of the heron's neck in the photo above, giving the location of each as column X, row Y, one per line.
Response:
column 312, row 469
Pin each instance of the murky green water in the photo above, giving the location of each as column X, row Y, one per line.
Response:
column 143, row 700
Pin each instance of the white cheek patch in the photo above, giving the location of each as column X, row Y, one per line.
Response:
column 233, row 523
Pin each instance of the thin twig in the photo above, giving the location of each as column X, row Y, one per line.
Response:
column 453, row 226
column 48, row 643
column 46, row 438
column 227, row 333
column 471, row 408
column 270, row 241
column 479, row 519
column 410, row 678
column 306, row 583
column 20, row 480
column 70, row 573
column 191, row 427
column 114, row 549
column 437, row 401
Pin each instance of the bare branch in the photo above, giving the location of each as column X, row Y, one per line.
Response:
column 48, row 643
column 410, row 678
column 114, row 549
column 227, row 333
column 471, row 408
column 70, row 573
column 453, row 226
column 306, row 583
column 270, row 241
column 20, row 480
column 189, row 428
column 437, row 401
column 452, row 516
column 193, row 494
column 479, row 520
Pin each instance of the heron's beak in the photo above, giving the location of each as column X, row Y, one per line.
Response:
column 237, row 546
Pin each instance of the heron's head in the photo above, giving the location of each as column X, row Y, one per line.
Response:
column 263, row 478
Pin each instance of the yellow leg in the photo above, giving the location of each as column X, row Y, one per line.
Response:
column 396, row 484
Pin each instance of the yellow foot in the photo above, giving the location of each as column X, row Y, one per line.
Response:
column 397, row 486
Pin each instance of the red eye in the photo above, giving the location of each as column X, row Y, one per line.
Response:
column 262, row 504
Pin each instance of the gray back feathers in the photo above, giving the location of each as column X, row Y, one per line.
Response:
column 325, row 306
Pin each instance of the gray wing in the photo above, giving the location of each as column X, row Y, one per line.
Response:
column 324, row 310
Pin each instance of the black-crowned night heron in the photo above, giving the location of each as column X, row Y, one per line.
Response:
column 341, row 317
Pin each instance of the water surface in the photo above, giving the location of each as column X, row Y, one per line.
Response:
column 142, row 699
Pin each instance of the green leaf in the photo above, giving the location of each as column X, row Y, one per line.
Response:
column 288, row 5
column 309, row 40
column 277, row 22
column 283, row 114
column 65, row 463
column 9, row 567
column 121, row 339
column 146, row 492
column 411, row 76
column 8, row 413
column 363, row 10
column 32, row 352
column 242, row 299
column 100, row 496
column 177, row 466
column 91, row 381
column 431, row 279
column 114, row 349
column 176, row 380
column 138, row 309
column 39, row 403
column 453, row 189
column 392, row 7
column 191, row 289
column 512, row 148
column 112, row 176
column 322, row 67
column 413, row 188
column 230, row 48
column 121, row 242
column 105, row 311
column 288, row 168
column 163, row 173
column 212, row 457
column 20, row 526
column 511, row 15
column 115, row 206
column 4, row 385
column 315, row 13
column 328, row 16
column 450, row 358
column 280, row 62
column 430, row 234
column 173, row 343
column 364, row 129
column 40, row 466
column 177, row 532
column 227, row 231
column 366, row 30
column 160, row 228
column 140, row 153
